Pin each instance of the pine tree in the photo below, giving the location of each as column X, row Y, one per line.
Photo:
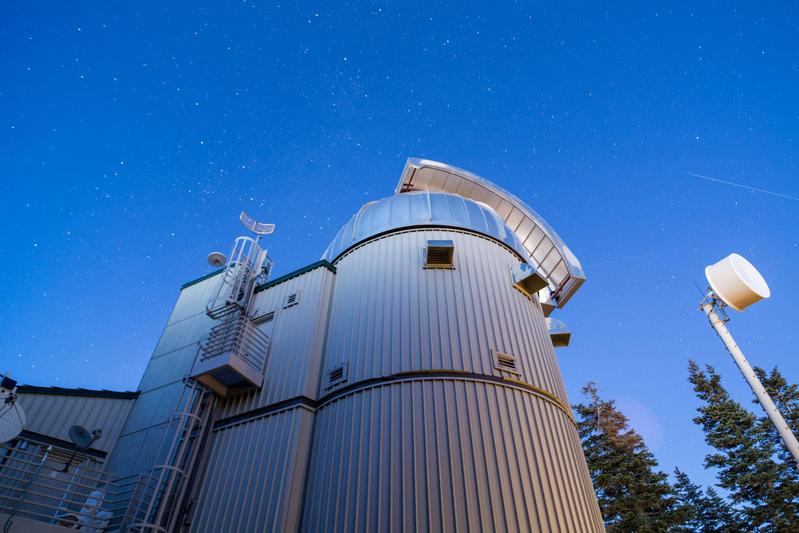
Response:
column 786, row 398
column 745, row 458
column 632, row 494
column 704, row 512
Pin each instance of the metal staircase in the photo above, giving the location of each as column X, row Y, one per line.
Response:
column 229, row 361
column 232, row 359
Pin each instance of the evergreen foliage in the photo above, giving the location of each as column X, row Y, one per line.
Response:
column 632, row 494
column 704, row 512
column 749, row 461
column 786, row 398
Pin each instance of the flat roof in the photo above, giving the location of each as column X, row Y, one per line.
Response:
column 547, row 251
column 62, row 391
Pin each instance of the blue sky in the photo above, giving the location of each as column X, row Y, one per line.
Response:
column 132, row 135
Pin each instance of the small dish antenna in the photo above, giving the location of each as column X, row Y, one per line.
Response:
column 82, row 439
column 216, row 259
column 259, row 228
column 737, row 282
column 12, row 416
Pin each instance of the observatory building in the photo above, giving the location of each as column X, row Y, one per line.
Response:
column 406, row 381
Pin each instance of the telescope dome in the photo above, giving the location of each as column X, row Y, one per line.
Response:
column 422, row 209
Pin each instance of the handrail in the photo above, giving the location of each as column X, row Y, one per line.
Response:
column 240, row 336
column 33, row 486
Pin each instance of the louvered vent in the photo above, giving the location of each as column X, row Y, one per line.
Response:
column 505, row 362
column 337, row 375
column 292, row 299
column 439, row 254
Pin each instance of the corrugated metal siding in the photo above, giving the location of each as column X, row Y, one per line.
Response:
column 297, row 338
column 390, row 315
column 53, row 415
column 444, row 455
column 193, row 299
column 255, row 475
column 428, row 452
column 161, row 385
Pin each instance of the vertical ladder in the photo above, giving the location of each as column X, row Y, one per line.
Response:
column 160, row 493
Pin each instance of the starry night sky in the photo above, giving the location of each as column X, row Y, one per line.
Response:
column 132, row 135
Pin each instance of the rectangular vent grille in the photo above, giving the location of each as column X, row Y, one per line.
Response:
column 439, row 254
column 292, row 299
column 505, row 362
column 337, row 375
column 263, row 319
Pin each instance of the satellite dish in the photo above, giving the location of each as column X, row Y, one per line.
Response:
column 737, row 282
column 259, row 228
column 216, row 259
column 12, row 416
column 81, row 437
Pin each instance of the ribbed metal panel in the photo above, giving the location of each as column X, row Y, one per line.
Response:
column 297, row 337
column 422, row 431
column 54, row 414
column 447, row 455
column 391, row 315
column 161, row 385
column 297, row 341
column 255, row 475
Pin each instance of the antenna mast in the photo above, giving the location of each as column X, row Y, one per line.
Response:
column 736, row 283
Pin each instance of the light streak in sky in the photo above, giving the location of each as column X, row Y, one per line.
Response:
column 633, row 257
column 747, row 187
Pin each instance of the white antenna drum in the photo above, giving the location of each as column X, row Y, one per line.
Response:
column 259, row 228
column 12, row 416
column 737, row 282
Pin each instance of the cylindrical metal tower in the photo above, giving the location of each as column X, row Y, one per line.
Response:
column 442, row 407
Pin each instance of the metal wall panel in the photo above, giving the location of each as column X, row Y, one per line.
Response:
column 296, row 344
column 54, row 414
column 255, row 475
column 391, row 315
column 469, row 448
column 161, row 384
column 193, row 299
column 447, row 455
column 426, row 433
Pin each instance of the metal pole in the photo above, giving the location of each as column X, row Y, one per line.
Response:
column 709, row 308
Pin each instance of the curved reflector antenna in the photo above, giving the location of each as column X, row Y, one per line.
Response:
column 259, row 228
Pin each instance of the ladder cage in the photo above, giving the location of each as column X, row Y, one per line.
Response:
column 247, row 263
column 160, row 492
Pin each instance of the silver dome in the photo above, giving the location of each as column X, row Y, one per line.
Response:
column 424, row 209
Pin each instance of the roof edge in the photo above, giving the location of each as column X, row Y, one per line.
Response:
column 299, row 272
column 202, row 278
column 91, row 393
